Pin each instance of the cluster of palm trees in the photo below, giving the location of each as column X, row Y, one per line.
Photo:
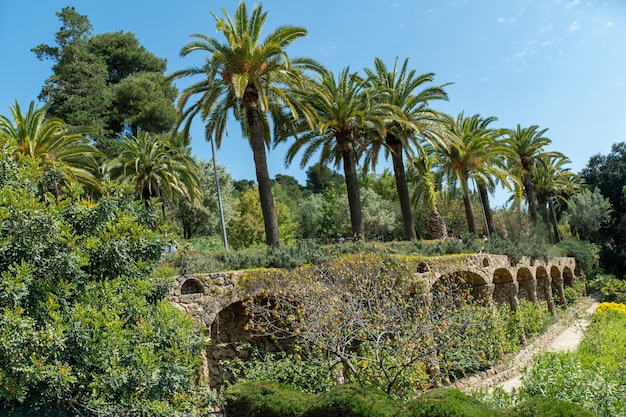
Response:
column 153, row 165
column 343, row 119
column 346, row 117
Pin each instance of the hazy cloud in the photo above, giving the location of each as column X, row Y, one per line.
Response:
column 507, row 19
column 574, row 26
column 328, row 49
column 571, row 4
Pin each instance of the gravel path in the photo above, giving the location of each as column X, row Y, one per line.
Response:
column 565, row 334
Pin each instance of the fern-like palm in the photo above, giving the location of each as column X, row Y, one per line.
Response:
column 52, row 142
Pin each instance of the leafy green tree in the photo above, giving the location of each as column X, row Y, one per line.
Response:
column 245, row 229
column 587, row 212
column 155, row 168
column 83, row 88
column 404, row 89
column 319, row 177
column 381, row 220
column 84, row 326
column 340, row 114
column 143, row 101
column 204, row 218
column 248, row 76
column 53, row 143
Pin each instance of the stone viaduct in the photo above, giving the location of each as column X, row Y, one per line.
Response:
column 214, row 300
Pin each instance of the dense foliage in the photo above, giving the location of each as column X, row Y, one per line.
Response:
column 84, row 327
column 264, row 399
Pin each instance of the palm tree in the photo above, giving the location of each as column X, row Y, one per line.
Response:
column 472, row 156
column 249, row 77
column 423, row 178
column 527, row 145
column 339, row 113
column 52, row 142
column 155, row 168
column 399, row 88
column 553, row 182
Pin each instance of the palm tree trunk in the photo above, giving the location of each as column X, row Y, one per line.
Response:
column 530, row 196
column 484, row 198
column 469, row 209
column 543, row 209
column 352, row 187
column 402, row 188
column 257, row 143
column 555, row 225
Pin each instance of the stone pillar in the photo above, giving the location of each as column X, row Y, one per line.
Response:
column 561, row 290
column 513, row 300
column 548, row 293
column 533, row 291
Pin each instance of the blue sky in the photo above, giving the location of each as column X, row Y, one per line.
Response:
column 559, row 64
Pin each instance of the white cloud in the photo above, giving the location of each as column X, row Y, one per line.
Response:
column 328, row 49
column 608, row 24
column 571, row 4
column 507, row 19
column 574, row 26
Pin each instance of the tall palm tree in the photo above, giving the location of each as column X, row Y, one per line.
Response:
column 527, row 144
column 553, row 182
column 404, row 89
column 155, row 168
column 472, row 156
column 52, row 142
column 248, row 76
column 339, row 113
column 425, row 189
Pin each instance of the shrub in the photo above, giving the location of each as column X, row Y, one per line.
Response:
column 446, row 402
column 269, row 399
column 307, row 373
column 586, row 253
column 548, row 407
column 560, row 375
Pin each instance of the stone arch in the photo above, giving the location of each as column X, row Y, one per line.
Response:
column 568, row 277
column 480, row 290
column 505, row 289
column 230, row 330
column 192, row 286
column 527, row 285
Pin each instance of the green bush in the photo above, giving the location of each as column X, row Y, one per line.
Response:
column 548, row 407
column 560, row 375
column 446, row 402
column 586, row 253
column 269, row 399
column 306, row 373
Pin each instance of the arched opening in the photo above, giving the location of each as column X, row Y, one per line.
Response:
column 192, row 286
column 568, row 277
column 232, row 338
column 527, row 286
column 485, row 262
column 505, row 290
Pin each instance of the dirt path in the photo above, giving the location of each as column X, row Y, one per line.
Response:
column 565, row 334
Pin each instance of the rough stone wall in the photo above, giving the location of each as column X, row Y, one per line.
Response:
column 214, row 300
